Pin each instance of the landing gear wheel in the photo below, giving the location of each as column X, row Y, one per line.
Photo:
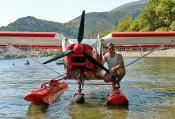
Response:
column 79, row 98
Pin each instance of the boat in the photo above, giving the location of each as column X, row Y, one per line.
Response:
column 59, row 62
column 116, row 97
column 48, row 93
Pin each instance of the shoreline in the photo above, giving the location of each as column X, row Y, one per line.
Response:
column 168, row 53
column 157, row 53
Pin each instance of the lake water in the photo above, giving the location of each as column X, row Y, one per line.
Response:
column 149, row 86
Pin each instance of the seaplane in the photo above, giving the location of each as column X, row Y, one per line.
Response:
column 82, row 60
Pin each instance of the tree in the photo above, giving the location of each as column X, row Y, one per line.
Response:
column 124, row 23
column 165, row 13
column 162, row 29
column 172, row 26
column 158, row 15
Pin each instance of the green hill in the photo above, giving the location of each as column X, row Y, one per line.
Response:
column 94, row 22
column 131, row 9
column 158, row 15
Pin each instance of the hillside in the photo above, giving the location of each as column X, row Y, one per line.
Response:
column 131, row 9
column 158, row 15
column 95, row 21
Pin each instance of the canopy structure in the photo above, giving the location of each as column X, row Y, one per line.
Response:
column 149, row 39
column 48, row 40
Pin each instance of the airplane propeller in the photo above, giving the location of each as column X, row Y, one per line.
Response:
column 59, row 56
column 80, row 38
column 81, row 28
column 95, row 62
column 78, row 48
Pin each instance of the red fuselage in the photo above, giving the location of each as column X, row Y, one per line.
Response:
column 77, row 61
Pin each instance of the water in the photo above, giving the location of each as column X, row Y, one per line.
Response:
column 149, row 86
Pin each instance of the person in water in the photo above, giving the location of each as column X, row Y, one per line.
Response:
column 27, row 63
column 115, row 63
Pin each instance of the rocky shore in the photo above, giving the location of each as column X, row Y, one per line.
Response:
column 157, row 53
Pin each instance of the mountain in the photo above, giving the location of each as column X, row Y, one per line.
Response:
column 131, row 9
column 158, row 15
column 95, row 21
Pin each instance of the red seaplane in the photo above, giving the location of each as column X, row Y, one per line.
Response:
column 82, row 60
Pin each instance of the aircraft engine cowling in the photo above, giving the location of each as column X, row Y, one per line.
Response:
column 77, row 60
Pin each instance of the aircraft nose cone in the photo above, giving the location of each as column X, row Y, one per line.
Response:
column 78, row 49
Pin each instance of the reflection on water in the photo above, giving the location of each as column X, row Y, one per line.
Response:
column 37, row 111
column 152, row 87
column 95, row 111
column 149, row 86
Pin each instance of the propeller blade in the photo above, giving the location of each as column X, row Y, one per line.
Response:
column 95, row 62
column 81, row 28
column 59, row 56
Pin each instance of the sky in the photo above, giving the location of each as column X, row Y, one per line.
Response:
column 53, row 10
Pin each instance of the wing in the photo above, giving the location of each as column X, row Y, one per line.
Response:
column 146, row 38
column 50, row 40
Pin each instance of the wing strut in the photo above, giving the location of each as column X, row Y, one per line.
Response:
column 144, row 55
column 28, row 55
